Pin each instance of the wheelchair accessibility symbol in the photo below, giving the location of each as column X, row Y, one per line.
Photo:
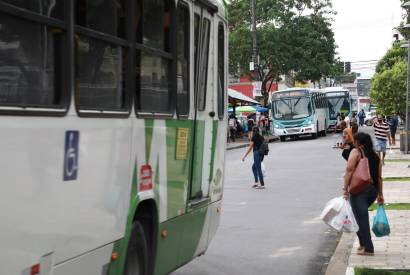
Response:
column 71, row 152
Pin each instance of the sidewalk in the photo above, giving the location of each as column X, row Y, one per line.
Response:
column 391, row 252
column 243, row 142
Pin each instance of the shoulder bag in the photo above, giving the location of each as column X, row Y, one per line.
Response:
column 361, row 178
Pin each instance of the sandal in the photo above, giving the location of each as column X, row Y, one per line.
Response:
column 365, row 253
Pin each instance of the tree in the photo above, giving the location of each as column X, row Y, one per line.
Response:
column 314, row 48
column 393, row 55
column 292, row 35
column 388, row 89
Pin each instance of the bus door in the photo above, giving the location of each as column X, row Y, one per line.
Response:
column 195, row 235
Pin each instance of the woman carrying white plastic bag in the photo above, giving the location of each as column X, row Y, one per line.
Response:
column 362, row 185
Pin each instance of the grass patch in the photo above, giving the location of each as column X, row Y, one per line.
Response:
column 397, row 179
column 368, row 271
column 392, row 206
column 397, row 160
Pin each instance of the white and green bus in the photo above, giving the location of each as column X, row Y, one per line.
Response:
column 299, row 112
column 339, row 101
column 113, row 132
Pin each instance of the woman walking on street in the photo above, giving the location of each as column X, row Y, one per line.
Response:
column 360, row 202
column 255, row 144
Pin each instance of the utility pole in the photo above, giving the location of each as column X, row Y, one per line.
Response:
column 406, row 128
column 254, row 45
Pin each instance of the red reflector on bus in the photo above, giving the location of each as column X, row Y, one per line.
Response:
column 35, row 269
column 114, row 256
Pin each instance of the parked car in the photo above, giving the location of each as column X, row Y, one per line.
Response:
column 370, row 116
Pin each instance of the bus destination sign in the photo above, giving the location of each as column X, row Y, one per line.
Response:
column 337, row 94
column 291, row 94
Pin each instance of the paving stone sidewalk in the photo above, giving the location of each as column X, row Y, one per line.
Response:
column 391, row 252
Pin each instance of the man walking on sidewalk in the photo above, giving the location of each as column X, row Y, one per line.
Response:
column 381, row 131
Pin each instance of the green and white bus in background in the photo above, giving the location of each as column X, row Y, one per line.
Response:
column 339, row 101
column 299, row 112
column 113, row 134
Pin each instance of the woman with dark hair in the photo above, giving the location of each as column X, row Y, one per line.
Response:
column 347, row 136
column 256, row 143
column 360, row 202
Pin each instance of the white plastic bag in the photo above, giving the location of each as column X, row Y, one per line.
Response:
column 332, row 209
column 339, row 215
column 263, row 169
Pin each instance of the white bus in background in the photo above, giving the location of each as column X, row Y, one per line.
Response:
column 339, row 102
column 299, row 112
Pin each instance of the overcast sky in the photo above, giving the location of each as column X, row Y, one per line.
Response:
column 363, row 29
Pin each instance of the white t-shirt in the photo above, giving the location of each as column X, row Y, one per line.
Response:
column 347, row 120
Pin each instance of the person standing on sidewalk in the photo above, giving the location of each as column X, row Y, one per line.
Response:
column 394, row 122
column 255, row 144
column 232, row 127
column 381, row 131
column 362, row 116
column 361, row 202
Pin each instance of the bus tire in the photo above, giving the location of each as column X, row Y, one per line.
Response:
column 136, row 262
column 282, row 138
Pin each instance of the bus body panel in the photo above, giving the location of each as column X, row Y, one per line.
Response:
column 41, row 213
column 93, row 263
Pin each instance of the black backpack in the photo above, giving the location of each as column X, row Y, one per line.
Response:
column 264, row 148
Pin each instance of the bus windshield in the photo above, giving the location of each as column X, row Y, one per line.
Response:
column 292, row 108
column 338, row 105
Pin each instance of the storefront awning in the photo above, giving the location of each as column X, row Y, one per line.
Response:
column 238, row 96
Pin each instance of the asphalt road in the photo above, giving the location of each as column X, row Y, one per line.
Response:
column 276, row 230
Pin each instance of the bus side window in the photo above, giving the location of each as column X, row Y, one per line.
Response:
column 183, row 50
column 197, row 23
column 100, row 66
column 221, row 71
column 31, row 57
column 203, row 65
column 155, row 59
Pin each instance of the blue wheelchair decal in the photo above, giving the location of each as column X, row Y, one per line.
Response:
column 71, row 152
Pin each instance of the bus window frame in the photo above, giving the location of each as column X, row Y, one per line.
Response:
column 64, row 69
column 171, row 56
column 112, row 40
column 222, row 100
column 184, row 5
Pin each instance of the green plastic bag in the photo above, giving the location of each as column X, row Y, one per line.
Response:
column 380, row 226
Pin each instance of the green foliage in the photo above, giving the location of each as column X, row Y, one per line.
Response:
column 292, row 35
column 392, row 56
column 391, row 206
column 388, row 89
column 368, row 271
column 313, row 47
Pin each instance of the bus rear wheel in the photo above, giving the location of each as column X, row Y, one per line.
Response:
column 136, row 262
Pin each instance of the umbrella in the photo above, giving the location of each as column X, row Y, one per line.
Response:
column 245, row 109
column 261, row 109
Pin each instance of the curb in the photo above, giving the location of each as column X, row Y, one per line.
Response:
column 273, row 139
column 237, row 147
column 338, row 264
